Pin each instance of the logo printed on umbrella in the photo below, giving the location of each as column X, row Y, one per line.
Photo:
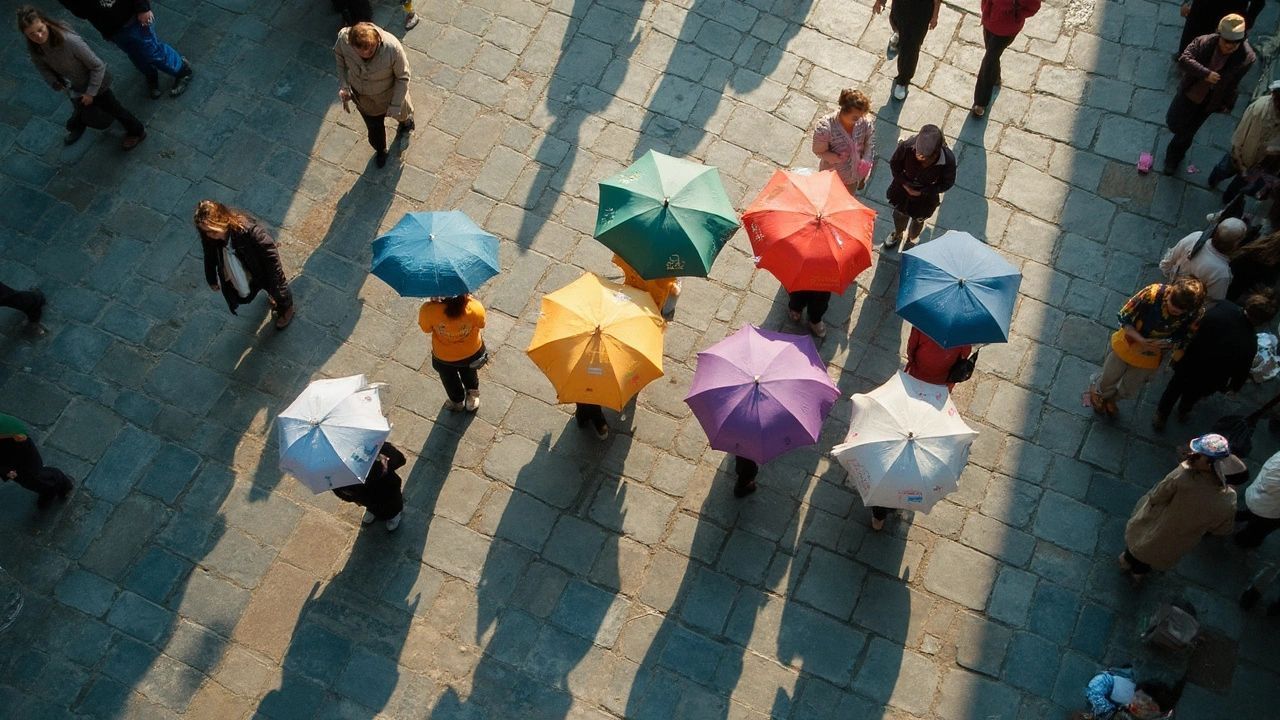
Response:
column 753, row 229
column 675, row 263
column 911, row 496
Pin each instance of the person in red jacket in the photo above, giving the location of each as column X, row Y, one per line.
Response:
column 1002, row 20
column 928, row 362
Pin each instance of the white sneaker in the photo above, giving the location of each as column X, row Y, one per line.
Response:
column 893, row 41
column 394, row 522
column 410, row 21
column 472, row 403
column 899, row 92
column 368, row 518
column 892, row 241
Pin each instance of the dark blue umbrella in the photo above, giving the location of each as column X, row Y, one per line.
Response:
column 435, row 254
column 958, row 291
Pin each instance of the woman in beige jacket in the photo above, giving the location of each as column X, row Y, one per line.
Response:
column 373, row 70
column 1189, row 502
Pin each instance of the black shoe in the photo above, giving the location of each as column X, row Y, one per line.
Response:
column 153, row 85
column 1250, row 597
column 407, row 126
column 1170, row 168
column 181, row 82
column 381, row 158
column 34, row 316
column 742, row 489
column 1273, row 609
column 72, row 136
column 45, row 500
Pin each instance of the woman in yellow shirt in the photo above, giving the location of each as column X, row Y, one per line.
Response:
column 457, row 348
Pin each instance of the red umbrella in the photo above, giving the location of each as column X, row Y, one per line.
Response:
column 810, row 232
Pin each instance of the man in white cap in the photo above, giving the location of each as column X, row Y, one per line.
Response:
column 1256, row 137
column 1212, row 67
column 1206, row 256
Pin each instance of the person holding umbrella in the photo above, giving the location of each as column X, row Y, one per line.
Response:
column 660, row 289
column 1158, row 319
column 923, row 168
column 1187, row 504
column 20, row 462
column 381, row 492
column 241, row 259
column 457, row 347
column 927, row 361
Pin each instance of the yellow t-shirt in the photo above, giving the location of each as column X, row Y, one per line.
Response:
column 659, row 289
column 453, row 339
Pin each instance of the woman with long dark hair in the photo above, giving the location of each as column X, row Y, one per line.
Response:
column 1255, row 264
column 241, row 259
column 457, row 347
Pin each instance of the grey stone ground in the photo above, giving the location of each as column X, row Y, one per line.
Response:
column 540, row 573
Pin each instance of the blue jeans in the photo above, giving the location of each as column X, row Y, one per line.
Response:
column 146, row 51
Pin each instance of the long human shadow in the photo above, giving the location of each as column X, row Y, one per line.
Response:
column 695, row 79
column 360, row 621
column 964, row 207
column 589, row 611
column 592, row 64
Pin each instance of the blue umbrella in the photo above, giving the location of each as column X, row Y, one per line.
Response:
column 435, row 254
column 958, row 291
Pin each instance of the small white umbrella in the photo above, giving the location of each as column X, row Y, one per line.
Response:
column 331, row 434
column 907, row 444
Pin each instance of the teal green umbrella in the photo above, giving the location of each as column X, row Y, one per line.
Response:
column 665, row 216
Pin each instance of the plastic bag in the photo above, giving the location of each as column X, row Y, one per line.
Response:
column 1265, row 363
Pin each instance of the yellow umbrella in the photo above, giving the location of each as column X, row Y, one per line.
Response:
column 598, row 342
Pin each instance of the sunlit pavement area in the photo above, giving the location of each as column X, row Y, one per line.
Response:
column 540, row 572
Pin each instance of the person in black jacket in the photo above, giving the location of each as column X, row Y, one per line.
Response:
column 1203, row 16
column 1255, row 265
column 232, row 242
column 1219, row 356
column 923, row 168
column 130, row 26
column 380, row 494
column 1212, row 67
column 20, row 462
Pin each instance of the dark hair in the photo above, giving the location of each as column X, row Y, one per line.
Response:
column 1165, row 696
column 1260, row 306
column 851, row 99
column 1264, row 251
column 1187, row 293
column 454, row 306
column 28, row 15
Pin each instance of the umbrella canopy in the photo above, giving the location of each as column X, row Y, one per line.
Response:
column 435, row 254
column 907, row 444
column 598, row 342
column 330, row 435
column 758, row 394
column 958, row 291
column 810, row 232
column 665, row 216
column 10, row 425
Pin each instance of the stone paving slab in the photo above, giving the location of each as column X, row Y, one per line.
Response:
column 539, row 573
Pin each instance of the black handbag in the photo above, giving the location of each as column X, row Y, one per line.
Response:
column 91, row 115
column 963, row 369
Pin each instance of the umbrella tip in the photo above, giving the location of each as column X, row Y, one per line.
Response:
column 961, row 282
column 757, row 379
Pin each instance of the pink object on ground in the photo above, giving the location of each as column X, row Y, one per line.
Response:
column 1145, row 161
column 1193, row 169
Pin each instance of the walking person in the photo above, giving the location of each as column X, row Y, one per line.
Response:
column 130, row 26
column 662, row 290
column 927, row 361
column 373, row 71
column 1261, row 512
column 745, row 471
column 28, row 302
column 911, row 21
column 845, row 140
column 1219, row 356
column 1159, row 319
column 65, row 62
column 593, row 415
column 1255, row 136
column 356, row 11
column 241, row 259
column 381, row 494
column 1207, row 259
column 923, row 168
column 457, row 347
column 1202, row 17
column 20, row 462
column 1188, row 503
column 1212, row 67
column 1002, row 20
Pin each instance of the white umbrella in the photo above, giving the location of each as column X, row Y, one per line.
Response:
column 331, row 434
column 907, row 444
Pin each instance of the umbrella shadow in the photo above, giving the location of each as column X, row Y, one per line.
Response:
column 350, row 634
column 694, row 79
column 537, row 627
column 590, row 69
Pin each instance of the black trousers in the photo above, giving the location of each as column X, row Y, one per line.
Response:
column 457, row 377
column 587, row 413
column 106, row 101
column 49, row 482
column 24, row 301
column 989, row 72
column 1184, row 120
column 1178, row 391
column 1256, row 529
column 1136, row 566
column 745, row 469
column 879, row 513
column 813, row 302
column 377, row 125
column 911, row 18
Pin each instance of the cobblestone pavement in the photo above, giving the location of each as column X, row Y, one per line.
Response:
column 540, row 573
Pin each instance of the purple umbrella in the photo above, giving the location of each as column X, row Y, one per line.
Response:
column 759, row 394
